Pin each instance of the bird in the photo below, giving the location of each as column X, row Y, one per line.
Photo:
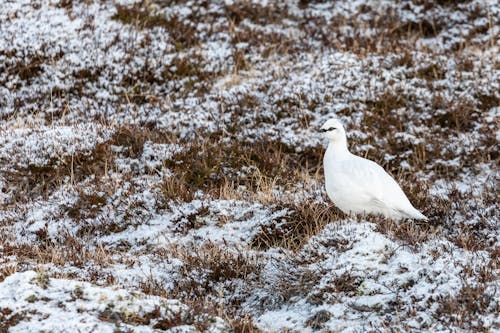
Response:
column 357, row 185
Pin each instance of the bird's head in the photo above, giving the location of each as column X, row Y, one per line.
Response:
column 333, row 130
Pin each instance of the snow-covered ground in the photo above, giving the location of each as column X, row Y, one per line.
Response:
column 160, row 165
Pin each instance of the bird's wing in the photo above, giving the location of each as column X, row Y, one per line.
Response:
column 366, row 183
column 387, row 191
column 370, row 179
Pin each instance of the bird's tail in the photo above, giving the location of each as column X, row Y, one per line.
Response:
column 412, row 213
column 415, row 214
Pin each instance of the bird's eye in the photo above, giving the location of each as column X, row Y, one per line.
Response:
column 327, row 129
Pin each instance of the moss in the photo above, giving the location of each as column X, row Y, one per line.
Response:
column 31, row 299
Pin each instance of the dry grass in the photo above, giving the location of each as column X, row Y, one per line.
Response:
column 169, row 321
column 304, row 220
column 9, row 318
column 73, row 252
column 209, row 270
column 40, row 181
column 472, row 300
column 317, row 320
column 208, row 164
column 35, row 181
column 7, row 270
column 218, row 264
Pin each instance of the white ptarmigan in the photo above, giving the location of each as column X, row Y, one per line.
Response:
column 360, row 186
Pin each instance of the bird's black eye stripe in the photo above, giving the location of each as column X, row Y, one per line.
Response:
column 328, row 129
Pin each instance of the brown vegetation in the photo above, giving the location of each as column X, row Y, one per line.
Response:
column 141, row 16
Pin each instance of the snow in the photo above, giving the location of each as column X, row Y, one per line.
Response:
column 62, row 305
column 388, row 273
column 43, row 145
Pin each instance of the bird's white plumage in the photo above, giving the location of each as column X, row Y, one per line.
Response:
column 360, row 186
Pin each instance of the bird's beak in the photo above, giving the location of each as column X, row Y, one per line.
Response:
column 322, row 130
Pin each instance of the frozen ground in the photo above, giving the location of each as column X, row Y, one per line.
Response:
column 160, row 165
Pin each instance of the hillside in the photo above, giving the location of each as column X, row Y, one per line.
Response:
column 161, row 165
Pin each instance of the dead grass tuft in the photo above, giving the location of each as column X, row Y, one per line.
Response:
column 87, row 205
column 208, row 270
column 464, row 309
column 410, row 233
column 6, row 271
column 216, row 264
column 66, row 4
column 29, row 70
column 162, row 322
column 243, row 324
column 346, row 283
column 293, row 278
column 185, row 223
column 429, row 4
column 304, row 220
column 456, row 115
column 40, row 181
column 266, row 43
column 9, row 318
column 68, row 250
column 424, row 28
column 317, row 320
column 431, row 72
column 382, row 117
column 487, row 102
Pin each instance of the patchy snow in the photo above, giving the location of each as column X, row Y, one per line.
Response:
column 39, row 303
column 107, row 109
column 229, row 222
column 42, row 146
column 375, row 276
